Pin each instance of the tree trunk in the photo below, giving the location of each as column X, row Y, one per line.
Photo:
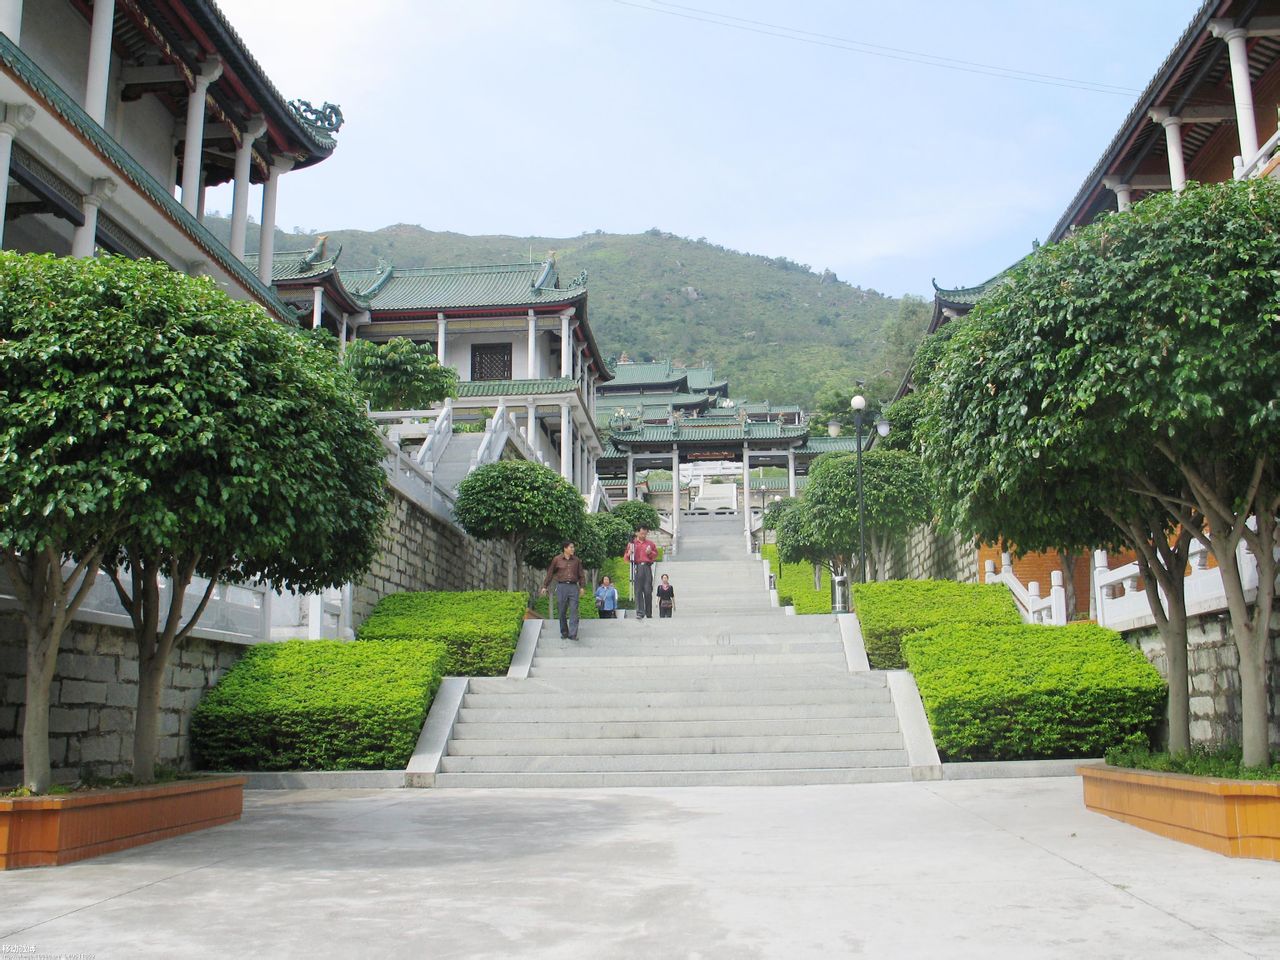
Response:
column 1253, row 679
column 42, row 658
column 146, row 726
column 1067, row 562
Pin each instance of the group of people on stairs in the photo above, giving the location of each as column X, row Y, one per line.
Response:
column 570, row 580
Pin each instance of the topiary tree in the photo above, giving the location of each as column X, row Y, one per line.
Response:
column 614, row 533
column 637, row 513
column 399, row 374
column 519, row 503
column 774, row 510
column 1148, row 344
column 224, row 431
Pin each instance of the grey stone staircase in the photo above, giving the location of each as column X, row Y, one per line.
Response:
column 729, row 691
column 455, row 462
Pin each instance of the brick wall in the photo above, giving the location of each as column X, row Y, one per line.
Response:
column 94, row 691
column 1214, row 667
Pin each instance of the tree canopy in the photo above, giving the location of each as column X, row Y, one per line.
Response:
column 399, row 374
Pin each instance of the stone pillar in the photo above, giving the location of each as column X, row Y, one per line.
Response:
column 342, row 336
column 85, row 239
column 13, row 117
column 566, row 442
column 531, row 366
column 531, row 424
column 11, row 19
column 240, row 198
column 631, row 476
column 1241, row 84
column 267, row 236
column 442, row 331
column 791, row 472
column 317, row 307
column 204, row 187
column 675, row 495
column 95, row 87
column 566, row 355
column 1173, row 144
column 746, row 490
column 1123, row 192
column 193, row 148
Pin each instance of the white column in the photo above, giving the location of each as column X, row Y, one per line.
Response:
column 1173, row 146
column 631, row 476
column 566, row 442
column 193, row 148
column 442, row 330
column 13, row 117
column 531, row 424
column 531, row 371
column 565, row 345
column 791, row 472
column 85, row 239
column 240, row 198
column 1123, row 192
column 317, row 307
column 342, row 339
column 267, row 236
column 675, row 495
column 746, row 489
column 204, row 187
column 95, row 87
column 11, row 19
column 1241, row 84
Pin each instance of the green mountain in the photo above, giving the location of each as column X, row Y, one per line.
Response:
column 774, row 328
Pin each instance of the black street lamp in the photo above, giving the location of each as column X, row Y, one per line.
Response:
column 859, row 403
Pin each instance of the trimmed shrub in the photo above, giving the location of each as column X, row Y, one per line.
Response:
column 478, row 628
column 586, row 607
column 794, row 582
column 319, row 705
column 893, row 609
column 1032, row 692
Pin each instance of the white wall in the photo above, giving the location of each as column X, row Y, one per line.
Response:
column 56, row 37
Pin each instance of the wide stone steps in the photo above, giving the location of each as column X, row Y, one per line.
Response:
column 643, row 699
column 676, row 778
column 685, row 711
column 612, row 729
column 673, row 672
column 634, row 763
column 677, row 685
column 739, row 626
column 886, row 738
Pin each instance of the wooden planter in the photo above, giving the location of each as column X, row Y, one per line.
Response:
column 60, row 828
column 1237, row 818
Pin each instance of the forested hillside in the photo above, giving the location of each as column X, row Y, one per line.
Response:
column 776, row 329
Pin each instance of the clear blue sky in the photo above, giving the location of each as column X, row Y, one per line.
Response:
column 564, row 116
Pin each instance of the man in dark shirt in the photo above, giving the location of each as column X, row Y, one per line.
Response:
column 571, row 583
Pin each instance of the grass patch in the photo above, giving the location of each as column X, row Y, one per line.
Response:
column 794, row 583
column 1202, row 761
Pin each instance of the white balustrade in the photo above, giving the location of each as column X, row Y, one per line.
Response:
column 1031, row 605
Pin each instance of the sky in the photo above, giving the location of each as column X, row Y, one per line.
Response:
column 822, row 131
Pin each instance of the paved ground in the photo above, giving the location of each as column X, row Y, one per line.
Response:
column 997, row 868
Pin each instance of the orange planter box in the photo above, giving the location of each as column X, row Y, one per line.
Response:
column 61, row 828
column 1237, row 818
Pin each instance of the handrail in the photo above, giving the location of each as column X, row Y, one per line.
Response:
column 1244, row 171
column 438, row 437
column 1031, row 606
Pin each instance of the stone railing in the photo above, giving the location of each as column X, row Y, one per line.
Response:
column 1122, row 605
column 1031, row 605
column 499, row 430
column 596, row 499
column 236, row 613
column 1257, row 164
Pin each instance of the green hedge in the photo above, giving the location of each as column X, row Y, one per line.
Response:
column 794, row 583
column 586, row 607
column 893, row 609
column 1032, row 692
column 619, row 571
column 478, row 628
column 319, row 705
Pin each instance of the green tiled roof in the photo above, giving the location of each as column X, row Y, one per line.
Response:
column 443, row 288
column 752, row 406
column 656, row 372
column 515, row 388
column 819, row 445
column 57, row 99
column 298, row 264
column 718, row 430
column 970, row 295
column 633, row 401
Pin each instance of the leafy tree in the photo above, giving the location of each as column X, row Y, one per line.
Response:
column 614, row 532
column 1148, row 344
column 774, row 510
column 224, row 431
column 904, row 416
column 637, row 513
column 519, row 503
column 399, row 374
column 75, row 445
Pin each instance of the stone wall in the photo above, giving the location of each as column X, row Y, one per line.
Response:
column 927, row 553
column 420, row 551
column 94, row 695
column 1214, row 668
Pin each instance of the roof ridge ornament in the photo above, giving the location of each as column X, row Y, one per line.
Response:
column 327, row 118
column 579, row 281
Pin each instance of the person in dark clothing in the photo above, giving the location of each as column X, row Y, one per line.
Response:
column 666, row 597
column 571, row 583
column 642, row 552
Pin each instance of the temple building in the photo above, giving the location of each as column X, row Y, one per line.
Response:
column 116, row 116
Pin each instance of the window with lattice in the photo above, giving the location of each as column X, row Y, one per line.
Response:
column 491, row 361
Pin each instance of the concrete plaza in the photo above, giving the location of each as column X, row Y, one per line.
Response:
column 980, row 868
